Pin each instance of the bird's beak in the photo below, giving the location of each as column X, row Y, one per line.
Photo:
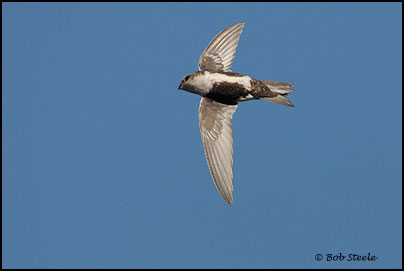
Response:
column 179, row 87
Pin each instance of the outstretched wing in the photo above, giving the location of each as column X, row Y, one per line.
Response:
column 217, row 137
column 219, row 54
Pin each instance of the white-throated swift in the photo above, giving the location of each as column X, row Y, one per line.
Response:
column 221, row 90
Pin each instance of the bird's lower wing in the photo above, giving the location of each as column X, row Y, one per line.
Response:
column 217, row 137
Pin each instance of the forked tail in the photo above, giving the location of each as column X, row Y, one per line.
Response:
column 281, row 90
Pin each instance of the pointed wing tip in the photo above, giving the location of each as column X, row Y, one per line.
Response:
column 228, row 198
column 229, row 201
column 242, row 24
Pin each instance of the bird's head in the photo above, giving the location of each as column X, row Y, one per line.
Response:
column 195, row 83
column 185, row 82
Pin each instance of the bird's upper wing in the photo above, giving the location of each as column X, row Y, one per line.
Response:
column 219, row 54
column 217, row 137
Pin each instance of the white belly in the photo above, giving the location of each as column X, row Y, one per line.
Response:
column 220, row 77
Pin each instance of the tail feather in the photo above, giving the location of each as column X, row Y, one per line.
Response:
column 279, row 99
column 280, row 88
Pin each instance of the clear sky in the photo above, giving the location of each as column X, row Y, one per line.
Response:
column 103, row 165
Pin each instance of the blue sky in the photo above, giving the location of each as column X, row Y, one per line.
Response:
column 103, row 165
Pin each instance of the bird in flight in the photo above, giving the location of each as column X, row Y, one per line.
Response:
column 221, row 91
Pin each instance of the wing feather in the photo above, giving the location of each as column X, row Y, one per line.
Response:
column 219, row 54
column 217, row 138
